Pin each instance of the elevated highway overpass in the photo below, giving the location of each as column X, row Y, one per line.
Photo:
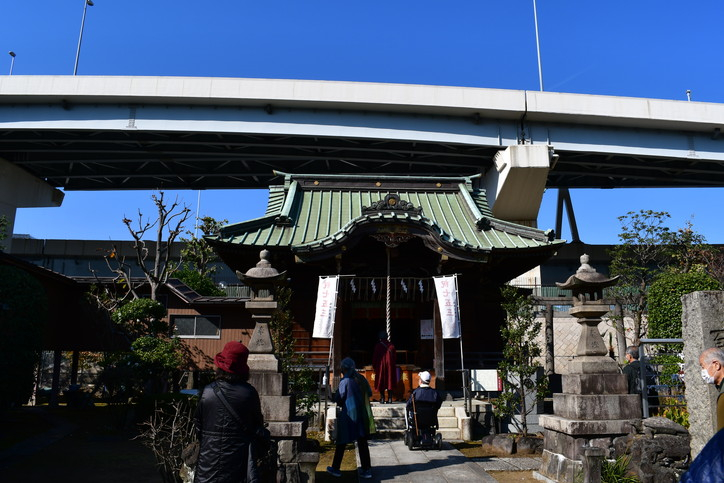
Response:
column 116, row 133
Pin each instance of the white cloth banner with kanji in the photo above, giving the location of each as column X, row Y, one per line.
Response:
column 326, row 307
column 447, row 300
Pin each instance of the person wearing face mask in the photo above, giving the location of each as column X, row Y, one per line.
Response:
column 712, row 372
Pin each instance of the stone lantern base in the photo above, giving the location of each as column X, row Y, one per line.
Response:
column 593, row 411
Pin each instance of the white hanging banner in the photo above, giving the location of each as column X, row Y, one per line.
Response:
column 326, row 307
column 447, row 300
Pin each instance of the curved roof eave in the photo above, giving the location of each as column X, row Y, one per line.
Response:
column 434, row 237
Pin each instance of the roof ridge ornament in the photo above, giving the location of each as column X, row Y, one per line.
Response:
column 392, row 202
column 393, row 240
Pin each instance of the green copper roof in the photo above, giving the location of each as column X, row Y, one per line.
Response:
column 313, row 213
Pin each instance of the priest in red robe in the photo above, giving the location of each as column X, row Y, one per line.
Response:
column 384, row 362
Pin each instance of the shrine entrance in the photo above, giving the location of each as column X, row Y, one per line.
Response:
column 368, row 321
column 362, row 314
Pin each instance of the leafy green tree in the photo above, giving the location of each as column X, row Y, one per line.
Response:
column 713, row 260
column 198, row 255
column 141, row 317
column 687, row 249
column 636, row 260
column 200, row 284
column 664, row 315
column 665, row 299
column 197, row 252
column 519, row 369
column 23, row 315
column 648, row 248
column 154, row 356
column 157, row 353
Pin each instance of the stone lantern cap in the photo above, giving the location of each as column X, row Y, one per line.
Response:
column 262, row 270
column 262, row 278
column 587, row 281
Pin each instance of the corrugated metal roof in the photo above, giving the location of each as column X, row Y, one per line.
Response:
column 317, row 215
column 276, row 199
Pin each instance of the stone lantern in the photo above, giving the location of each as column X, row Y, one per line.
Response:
column 277, row 405
column 262, row 280
column 594, row 412
column 588, row 307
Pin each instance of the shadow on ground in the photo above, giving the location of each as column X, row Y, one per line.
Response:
column 73, row 445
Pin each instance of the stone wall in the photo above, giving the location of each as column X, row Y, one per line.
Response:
column 658, row 452
column 661, row 453
column 566, row 332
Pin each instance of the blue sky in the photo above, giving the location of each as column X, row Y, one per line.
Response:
column 639, row 49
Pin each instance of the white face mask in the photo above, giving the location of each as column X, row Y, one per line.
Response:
column 706, row 377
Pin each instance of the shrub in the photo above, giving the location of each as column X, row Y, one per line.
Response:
column 167, row 432
column 665, row 300
column 674, row 410
column 519, row 368
column 616, row 471
column 141, row 317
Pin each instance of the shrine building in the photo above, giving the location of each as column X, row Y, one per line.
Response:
column 366, row 228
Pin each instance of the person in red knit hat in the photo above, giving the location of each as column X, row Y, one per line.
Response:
column 227, row 420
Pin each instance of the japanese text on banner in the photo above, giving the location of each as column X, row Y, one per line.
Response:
column 447, row 301
column 326, row 305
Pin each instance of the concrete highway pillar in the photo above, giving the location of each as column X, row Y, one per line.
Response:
column 515, row 187
column 20, row 189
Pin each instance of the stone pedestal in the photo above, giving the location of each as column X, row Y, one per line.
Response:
column 702, row 315
column 594, row 410
column 296, row 457
column 595, row 413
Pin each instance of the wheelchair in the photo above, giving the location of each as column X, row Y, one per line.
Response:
column 421, row 427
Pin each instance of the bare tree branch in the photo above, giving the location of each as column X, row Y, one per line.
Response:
column 168, row 225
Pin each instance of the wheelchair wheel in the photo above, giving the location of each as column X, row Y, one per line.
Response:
column 410, row 440
column 438, row 441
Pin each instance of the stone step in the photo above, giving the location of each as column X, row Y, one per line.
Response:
column 390, row 421
column 447, row 422
column 388, row 411
column 398, row 410
column 385, row 423
column 390, row 433
column 448, row 434
column 446, row 412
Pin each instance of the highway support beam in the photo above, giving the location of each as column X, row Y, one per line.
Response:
column 515, row 186
column 20, row 189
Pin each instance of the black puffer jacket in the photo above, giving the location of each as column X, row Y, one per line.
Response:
column 225, row 445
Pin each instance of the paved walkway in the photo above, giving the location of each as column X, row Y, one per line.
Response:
column 393, row 461
column 59, row 430
column 498, row 463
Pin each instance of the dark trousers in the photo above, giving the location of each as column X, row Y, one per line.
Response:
column 364, row 454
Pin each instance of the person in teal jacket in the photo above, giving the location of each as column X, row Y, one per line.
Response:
column 354, row 418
